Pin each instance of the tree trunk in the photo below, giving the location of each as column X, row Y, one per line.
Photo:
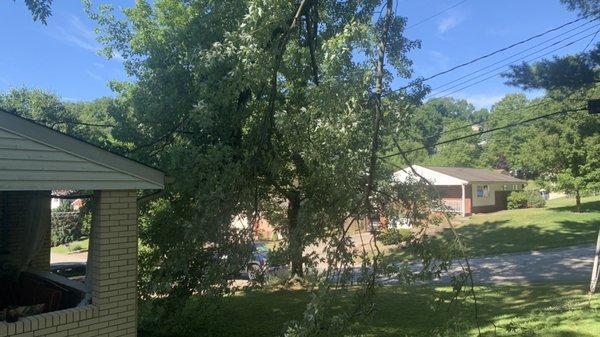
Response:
column 295, row 236
column 578, row 201
column 595, row 271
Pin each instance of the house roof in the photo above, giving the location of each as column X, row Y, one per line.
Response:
column 469, row 174
column 35, row 157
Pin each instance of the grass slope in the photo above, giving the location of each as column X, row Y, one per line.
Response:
column 556, row 225
column 549, row 310
column 71, row 247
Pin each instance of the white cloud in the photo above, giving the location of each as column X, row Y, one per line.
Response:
column 439, row 58
column 483, row 100
column 94, row 76
column 76, row 33
column 450, row 22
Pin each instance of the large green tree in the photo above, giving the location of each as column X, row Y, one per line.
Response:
column 564, row 150
column 441, row 120
column 255, row 108
column 503, row 148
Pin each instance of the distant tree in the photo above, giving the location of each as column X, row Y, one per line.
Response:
column 444, row 119
column 90, row 121
column 582, row 68
column 503, row 148
column 565, row 150
column 39, row 105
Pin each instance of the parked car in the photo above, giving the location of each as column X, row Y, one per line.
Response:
column 259, row 263
column 72, row 270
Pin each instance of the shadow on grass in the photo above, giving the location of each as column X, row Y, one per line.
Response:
column 586, row 207
column 529, row 311
column 555, row 311
column 496, row 237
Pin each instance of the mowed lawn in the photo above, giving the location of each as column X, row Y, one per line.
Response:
column 71, row 247
column 549, row 310
column 556, row 225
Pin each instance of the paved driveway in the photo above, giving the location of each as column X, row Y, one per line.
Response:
column 571, row 264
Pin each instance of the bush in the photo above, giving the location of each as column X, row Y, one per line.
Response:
column 66, row 227
column 525, row 199
column 392, row 236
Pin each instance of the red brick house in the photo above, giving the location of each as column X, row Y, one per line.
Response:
column 466, row 190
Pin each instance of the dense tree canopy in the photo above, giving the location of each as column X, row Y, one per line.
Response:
column 254, row 108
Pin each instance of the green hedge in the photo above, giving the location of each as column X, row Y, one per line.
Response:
column 392, row 236
column 68, row 227
column 525, row 199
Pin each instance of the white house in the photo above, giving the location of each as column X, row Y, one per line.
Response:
column 466, row 190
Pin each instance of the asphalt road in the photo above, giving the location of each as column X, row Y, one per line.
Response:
column 569, row 264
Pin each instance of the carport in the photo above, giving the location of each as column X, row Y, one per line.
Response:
column 34, row 161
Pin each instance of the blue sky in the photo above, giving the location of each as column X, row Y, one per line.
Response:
column 62, row 56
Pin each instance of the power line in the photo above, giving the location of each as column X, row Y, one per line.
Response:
column 522, row 51
column 436, row 135
column 589, row 43
column 477, row 59
column 484, row 132
column 527, row 108
column 435, row 15
column 500, row 73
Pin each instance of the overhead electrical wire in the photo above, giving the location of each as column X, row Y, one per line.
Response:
column 485, row 56
column 443, row 132
column 523, row 51
column 513, row 55
column 484, row 132
column 501, row 72
column 435, row 15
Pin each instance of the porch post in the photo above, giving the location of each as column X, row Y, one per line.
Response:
column 464, row 210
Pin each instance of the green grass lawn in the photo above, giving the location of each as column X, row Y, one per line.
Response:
column 549, row 310
column 556, row 225
column 72, row 246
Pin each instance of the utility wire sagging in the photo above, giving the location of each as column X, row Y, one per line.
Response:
column 484, row 132
column 488, row 55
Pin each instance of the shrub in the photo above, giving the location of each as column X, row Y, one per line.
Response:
column 525, row 199
column 66, row 227
column 392, row 236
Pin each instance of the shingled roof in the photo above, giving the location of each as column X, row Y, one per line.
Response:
column 475, row 174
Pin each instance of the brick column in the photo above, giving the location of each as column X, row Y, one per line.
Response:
column 112, row 261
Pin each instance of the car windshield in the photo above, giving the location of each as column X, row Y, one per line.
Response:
column 261, row 247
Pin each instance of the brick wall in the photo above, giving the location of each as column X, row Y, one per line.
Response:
column 112, row 275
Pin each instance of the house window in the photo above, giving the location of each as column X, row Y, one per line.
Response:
column 482, row 191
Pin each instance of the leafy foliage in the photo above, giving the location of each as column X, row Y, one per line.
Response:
column 392, row 236
column 40, row 9
column 525, row 199
column 65, row 227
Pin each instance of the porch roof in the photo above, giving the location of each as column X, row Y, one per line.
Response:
column 452, row 176
column 35, row 157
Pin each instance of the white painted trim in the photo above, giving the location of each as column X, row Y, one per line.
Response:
column 436, row 178
column 54, row 139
